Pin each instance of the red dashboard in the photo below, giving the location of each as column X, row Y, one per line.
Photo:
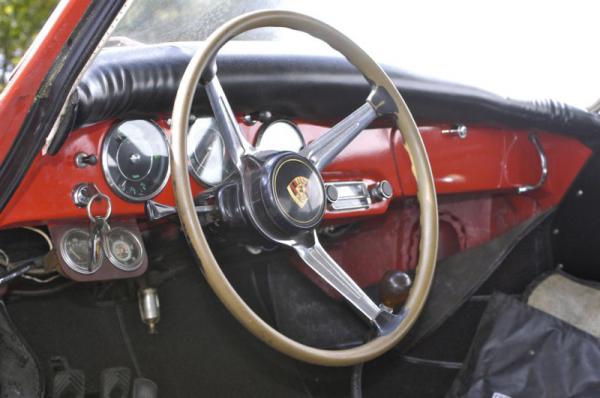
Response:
column 477, row 179
column 487, row 160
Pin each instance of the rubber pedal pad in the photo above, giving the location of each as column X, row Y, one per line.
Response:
column 144, row 388
column 115, row 382
column 68, row 384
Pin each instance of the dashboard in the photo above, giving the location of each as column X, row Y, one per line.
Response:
column 496, row 162
column 128, row 161
column 132, row 165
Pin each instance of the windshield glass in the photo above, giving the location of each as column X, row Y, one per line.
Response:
column 523, row 50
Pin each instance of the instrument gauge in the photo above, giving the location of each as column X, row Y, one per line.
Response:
column 135, row 159
column 209, row 162
column 75, row 248
column 280, row 135
column 123, row 249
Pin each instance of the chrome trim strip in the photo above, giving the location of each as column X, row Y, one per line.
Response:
column 543, row 165
column 348, row 203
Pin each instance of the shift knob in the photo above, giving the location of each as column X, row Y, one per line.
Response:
column 394, row 288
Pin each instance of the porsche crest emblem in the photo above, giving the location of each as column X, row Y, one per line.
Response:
column 298, row 190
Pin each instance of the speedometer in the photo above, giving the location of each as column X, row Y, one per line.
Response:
column 135, row 159
column 209, row 162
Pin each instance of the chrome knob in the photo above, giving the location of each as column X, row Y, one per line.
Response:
column 383, row 190
column 460, row 130
column 331, row 193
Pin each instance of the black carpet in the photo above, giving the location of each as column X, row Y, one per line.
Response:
column 200, row 350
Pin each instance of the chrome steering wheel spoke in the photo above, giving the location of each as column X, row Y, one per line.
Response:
column 325, row 148
column 316, row 257
column 320, row 153
column 278, row 192
column 235, row 143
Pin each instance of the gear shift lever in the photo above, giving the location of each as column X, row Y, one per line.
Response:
column 394, row 288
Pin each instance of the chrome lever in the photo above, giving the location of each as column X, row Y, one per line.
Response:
column 156, row 211
column 316, row 257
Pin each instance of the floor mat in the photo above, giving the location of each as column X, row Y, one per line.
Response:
column 573, row 300
column 458, row 277
column 521, row 352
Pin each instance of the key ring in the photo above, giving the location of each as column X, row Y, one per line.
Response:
column 99, row 196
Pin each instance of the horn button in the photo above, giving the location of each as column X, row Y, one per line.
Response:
column 293, row 192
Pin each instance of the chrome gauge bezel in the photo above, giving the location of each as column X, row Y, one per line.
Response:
column 111, row 257
column 192, row 148
column 67, row 257
column 109, row 179
column 264, row 129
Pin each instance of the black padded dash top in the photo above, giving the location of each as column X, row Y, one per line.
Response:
column 142, row 81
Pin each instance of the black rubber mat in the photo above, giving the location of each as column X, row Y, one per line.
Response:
column 19, row 371
column 522, row 352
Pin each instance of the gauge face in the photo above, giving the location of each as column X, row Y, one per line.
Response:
column 135, row 159
column 76, row 250
column 209, row 162
column 280, row 135
column 124, row 249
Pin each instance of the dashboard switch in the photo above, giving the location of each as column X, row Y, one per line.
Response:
column 82, row 160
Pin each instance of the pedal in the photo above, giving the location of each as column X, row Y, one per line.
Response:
column 115, row 383
column 144, row 388
column 69, row 384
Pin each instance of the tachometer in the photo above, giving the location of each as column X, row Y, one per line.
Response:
column 135, row 159
column 209, row 162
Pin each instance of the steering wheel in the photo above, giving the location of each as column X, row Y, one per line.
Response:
column 281, row 194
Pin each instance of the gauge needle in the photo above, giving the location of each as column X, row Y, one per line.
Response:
column 76, row 255
column 205, row 158
column 74, row 251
